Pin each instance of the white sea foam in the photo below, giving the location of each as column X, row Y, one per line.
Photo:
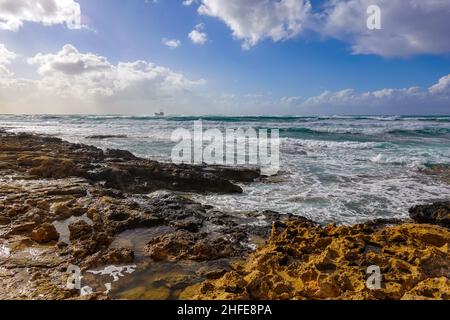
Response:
column 335, row 169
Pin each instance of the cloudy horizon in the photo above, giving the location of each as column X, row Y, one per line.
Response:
column 254, row 57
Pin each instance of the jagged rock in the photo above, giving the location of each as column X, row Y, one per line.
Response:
column 45, row 233
column 43, row 205
column 22, row 228
column 47, row 167
column 120, row 154
column 119, row 169
column 190, row 246
column 119, row 256
column 303, row 260
column 80, row 230
column 114, row 256
column 62, row 211
column 235, row 173
column 430, row 289
column 436, row 213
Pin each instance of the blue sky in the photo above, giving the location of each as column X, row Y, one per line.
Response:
column 288, row 73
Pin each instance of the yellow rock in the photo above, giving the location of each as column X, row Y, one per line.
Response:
column 303, row 260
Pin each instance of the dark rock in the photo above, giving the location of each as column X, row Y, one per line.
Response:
column 191, row 225
column 215, row 273
column 120, row 154
column 106, row 136
column 436, row 213
column 116, row 256
column 235, row 173
column 119, row 256
column 183, row 245
column 80, row 230
column 118, row 216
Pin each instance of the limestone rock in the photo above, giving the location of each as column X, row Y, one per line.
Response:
column 303, row 260
column 45, row 233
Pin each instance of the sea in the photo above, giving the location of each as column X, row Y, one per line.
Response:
column 334, row 169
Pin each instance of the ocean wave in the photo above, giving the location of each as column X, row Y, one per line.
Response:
column 426, row 131
column 311, row 144
column 401, row 130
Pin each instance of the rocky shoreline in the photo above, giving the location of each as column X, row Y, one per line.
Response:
column 65, row 204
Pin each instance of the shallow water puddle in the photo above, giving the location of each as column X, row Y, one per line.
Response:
column 165, row 280
column 137, row 239
column 149, row 280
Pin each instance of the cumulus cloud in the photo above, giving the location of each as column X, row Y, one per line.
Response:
column 254, row 20
column 412, row 100
column 84, row 79
column 6, row 57
column 72, row 81
column 13, row 13
column 69, row 61
column 197, row 36
column 409, row 27
column 171, row 43
column 442, row 87
column 72, row 72
column 290, row 100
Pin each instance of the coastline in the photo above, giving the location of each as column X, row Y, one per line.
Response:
column 103, row 194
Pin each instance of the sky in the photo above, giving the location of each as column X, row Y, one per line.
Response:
column 233, row 57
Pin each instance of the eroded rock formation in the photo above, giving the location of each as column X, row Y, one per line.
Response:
column 303, row 260
column 67, row 204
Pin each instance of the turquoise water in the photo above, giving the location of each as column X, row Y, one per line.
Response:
column 333, row 169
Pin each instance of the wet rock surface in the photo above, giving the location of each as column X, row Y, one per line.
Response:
column 49, row 157
column 436, row 213
column 111, row 214
column 92, row 196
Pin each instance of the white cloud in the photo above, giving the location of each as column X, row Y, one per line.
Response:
column 13, row 13
column 409, row 27
column 442, row 87
column 255, row 20
column 290, row 100
column 197, row 36
column 72, row 72
column 87, row 79
column 6, row 57
column 70, row 62
column 188, row 2
column 171, row 43
column 412, row 100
